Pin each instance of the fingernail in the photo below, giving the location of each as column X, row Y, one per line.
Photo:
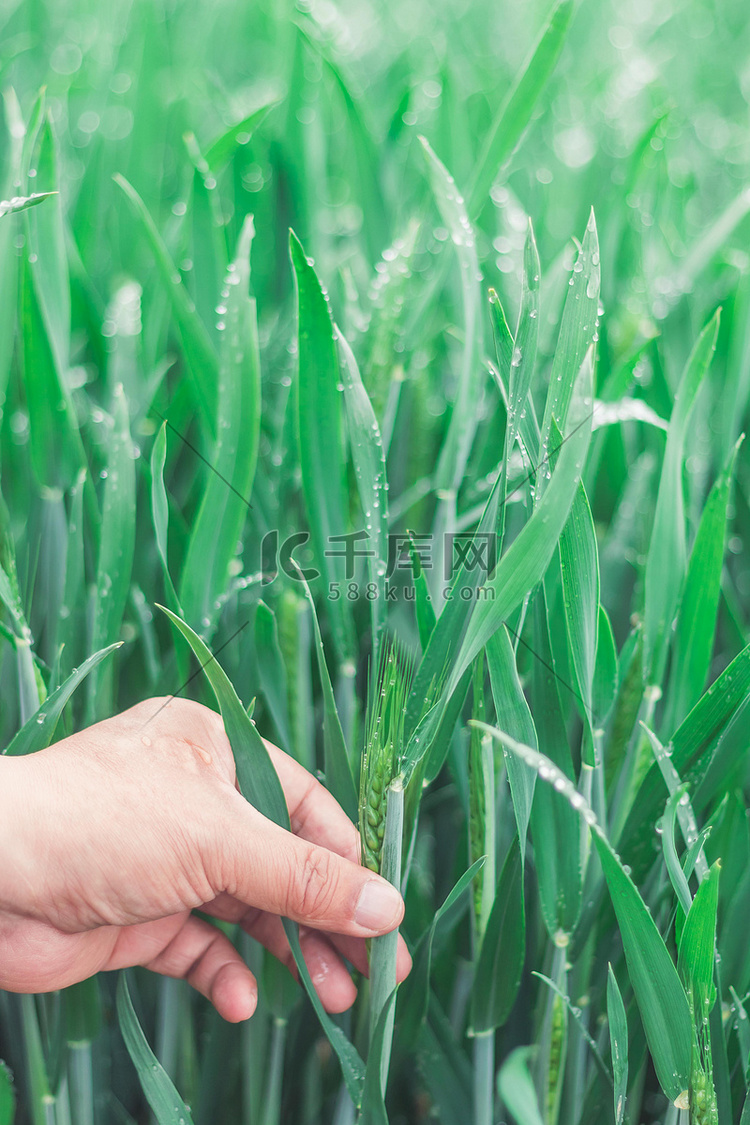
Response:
column 379, row 906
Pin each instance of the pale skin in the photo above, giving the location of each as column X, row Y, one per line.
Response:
column 111, row 838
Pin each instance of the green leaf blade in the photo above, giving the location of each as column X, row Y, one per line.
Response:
column 663, row 582
column 224, row 507
column 497, row 975
column 160, row 1091
column 514, row 115
column 321, row 445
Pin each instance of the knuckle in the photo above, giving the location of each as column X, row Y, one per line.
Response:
column 315, row 884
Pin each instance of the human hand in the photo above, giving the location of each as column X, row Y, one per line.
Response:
column 110, row 838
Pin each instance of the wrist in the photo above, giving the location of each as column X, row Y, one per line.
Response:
column 19, row 829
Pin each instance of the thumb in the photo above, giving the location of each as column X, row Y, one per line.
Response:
column 273, row 870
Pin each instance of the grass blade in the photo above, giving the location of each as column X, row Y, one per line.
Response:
column 519, row 570
column 116, row 548
column 577, row 1016
column 664, row 582
column 199, row 353
column 555, row 828
column 456, row 446
column 368, row 459
column 515, row 113
column 676, row 874
column 661, row 998
column 70, row 627
column 160, row 510
column 338, row 770
column 605, row 682
column 521, row 417
column 43, row 1102
column 578, row 331
column 517, row 1089
column 321, row 446
column 383, row 950
column 166, row 1103
column 521, row 362
column 618, row 1043
column 259, row 784
column 526, row 560
column 695, row 962
column 696, row 621
column 48, row 257
column 22, row 203
column 373, row 1111
column 271, row 671
column 220, row 152
column 497, row 976
column 7, row 1096
column 223, row 510
column 207, row 245
column 689, row 751
column 504, row 342
column 451, row 625
column 55, row 445
column 39, row 730
column 416, row 988
column 579, row 572
column 424, row 608
column 257, row 778
column 514, row 717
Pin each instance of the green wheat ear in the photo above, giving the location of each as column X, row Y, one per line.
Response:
column 384, row 731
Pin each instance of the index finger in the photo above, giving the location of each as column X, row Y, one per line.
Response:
column 315, row 814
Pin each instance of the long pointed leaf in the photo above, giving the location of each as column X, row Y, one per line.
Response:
column 661, row 998
column 116, row 546
column 260, row 785
column 696, row 622
column 160, row 1091
column 457, row 444
column 695, row 962
column 526, row 560
column 224, row 507
column 321, row 446
column 497, row 975
column 514, row 717
column 663, row 584
column 516, row 112
column 368, row 459
column 200, row 355
column 39, row 731
column 618, row 1043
